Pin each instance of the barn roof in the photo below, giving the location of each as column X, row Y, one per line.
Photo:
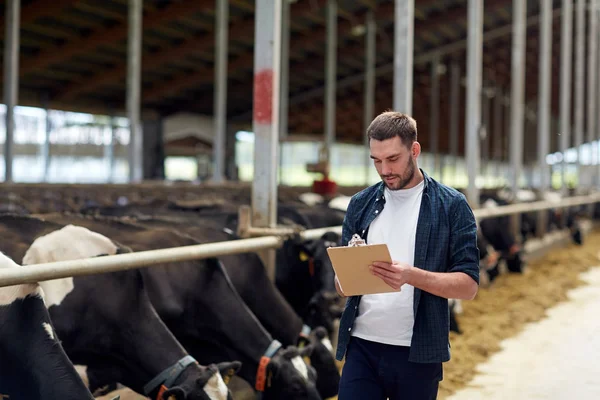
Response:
column 73, row 55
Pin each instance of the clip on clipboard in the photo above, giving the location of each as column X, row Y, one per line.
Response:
column 351, row 265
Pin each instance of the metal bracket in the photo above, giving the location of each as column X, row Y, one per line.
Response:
column 246, row 230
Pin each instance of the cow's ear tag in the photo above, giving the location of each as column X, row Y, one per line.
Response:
column 227, row 377
column 303, row 256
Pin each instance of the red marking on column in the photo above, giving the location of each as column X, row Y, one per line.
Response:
column 263, row 96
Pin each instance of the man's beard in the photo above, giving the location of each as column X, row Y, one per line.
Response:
column 401, row 180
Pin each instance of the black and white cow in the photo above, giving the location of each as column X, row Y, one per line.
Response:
column 33, row 364
column 200, row 305
column 248, row 275
column 106, row 322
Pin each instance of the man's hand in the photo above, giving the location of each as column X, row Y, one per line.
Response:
column 395, row 274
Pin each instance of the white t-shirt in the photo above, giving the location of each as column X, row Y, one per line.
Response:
column 389, row 317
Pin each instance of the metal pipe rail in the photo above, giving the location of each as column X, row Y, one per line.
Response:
column 90, row 266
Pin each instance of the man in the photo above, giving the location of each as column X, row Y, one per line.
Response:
column 395, row 343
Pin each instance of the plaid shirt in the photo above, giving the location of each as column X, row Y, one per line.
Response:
column 446, row 241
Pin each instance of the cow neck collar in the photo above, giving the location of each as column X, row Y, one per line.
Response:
column 168, row 377
column 262, row 381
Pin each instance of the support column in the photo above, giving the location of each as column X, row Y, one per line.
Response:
column 134, row 82
column 473, row 119
column 434, row 117
column 485, row 141
column 369, row 100
column 111, row 150
column 220, row 92
column 506, row 146
column 267, row 73
column 12, row 18
column 46, row 145
column 565, row 85
column 544, row 104
column 592, row 89
column 403, row 55
column 517, row 99
column 454, row 111
column 331, row 76
column 579, row 83
column 498, row 133
column 285, row 71
column 597, row 133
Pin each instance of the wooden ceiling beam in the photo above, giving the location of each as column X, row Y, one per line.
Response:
column 245, row 62
column 110, row 35
column 198, row 44
column 41, row 8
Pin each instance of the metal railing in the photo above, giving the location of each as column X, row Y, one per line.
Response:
column 90, row 266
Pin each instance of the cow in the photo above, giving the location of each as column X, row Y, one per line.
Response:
column 116, row 337
column 33, row 363
column 199, row 304
column 249, row 278
column 304, row 274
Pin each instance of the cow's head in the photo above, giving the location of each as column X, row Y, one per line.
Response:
column 33, row 360
column 323, row 310
column 211, row 384
column 287, row 376
column 315, row 251
column 321, row 358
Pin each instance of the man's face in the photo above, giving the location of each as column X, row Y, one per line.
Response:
column 395, row 163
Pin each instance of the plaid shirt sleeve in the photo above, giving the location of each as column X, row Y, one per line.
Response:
column 347, row 225
column 464, row 254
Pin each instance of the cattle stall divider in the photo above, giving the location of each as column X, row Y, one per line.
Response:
column 90, row 266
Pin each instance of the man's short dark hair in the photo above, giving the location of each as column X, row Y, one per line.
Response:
column 390, row 124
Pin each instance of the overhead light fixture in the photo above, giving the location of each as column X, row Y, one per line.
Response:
column 358, row 30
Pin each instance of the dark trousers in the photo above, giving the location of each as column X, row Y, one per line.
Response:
column 376, row 371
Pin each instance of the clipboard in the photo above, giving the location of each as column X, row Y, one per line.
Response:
column 351, row 265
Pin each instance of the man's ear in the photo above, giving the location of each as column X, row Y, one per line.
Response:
column 416, row 149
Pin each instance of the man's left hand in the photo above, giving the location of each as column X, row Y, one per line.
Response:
column 395, row 274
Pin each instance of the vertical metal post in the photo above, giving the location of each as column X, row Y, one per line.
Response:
column 454, row 117
column 498, row 133
column 267, row 74
column 544, row 103
column 473, row 120
column 485, row 141
column 565, row 85
column 403, row 55
column 597, row 133
column 506, row 144
column 434, row 116
column 220, row 92
column 12, row 18
column 592, row 73
column 285, row 70
column 579, row 83
column 134, row 84
column 330, row 76
column 517, row 99
column 110, row 149
column 46, row 145
column 369, row 100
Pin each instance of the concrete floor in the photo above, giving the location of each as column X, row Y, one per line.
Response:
column 557, row 358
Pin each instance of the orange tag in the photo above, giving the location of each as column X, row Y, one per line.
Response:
column 261, row 374
column 311, row 266
column 162, row 390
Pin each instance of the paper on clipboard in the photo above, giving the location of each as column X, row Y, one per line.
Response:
column 351, row 265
